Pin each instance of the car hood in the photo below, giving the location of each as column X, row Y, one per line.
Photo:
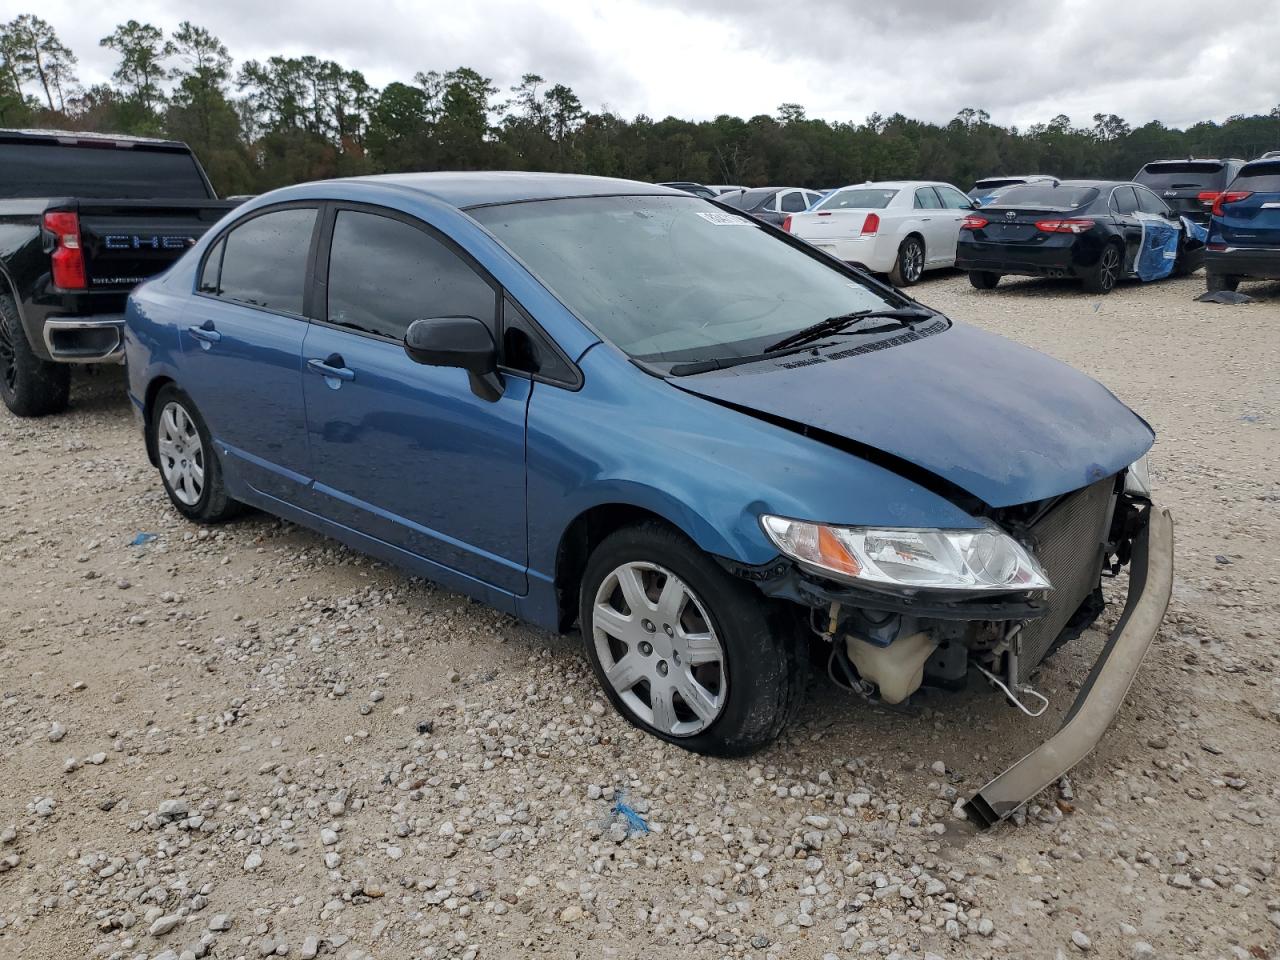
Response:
column 1000, row 421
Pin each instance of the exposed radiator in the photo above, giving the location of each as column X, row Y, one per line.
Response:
column 1068, row 542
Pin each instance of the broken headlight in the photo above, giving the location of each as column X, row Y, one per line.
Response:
column 1137, row 479
column 984, row 559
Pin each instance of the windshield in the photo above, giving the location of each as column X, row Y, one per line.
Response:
column 673, row 279
column 52, row 170
column 863, row 198
column 1047, row 195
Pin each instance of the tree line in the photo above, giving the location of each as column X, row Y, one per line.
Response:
column 289, row 119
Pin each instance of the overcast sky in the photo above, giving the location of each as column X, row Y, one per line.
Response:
column 1025, row 62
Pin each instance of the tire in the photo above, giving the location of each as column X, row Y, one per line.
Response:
column 984, row 279
column 189, row 466
column 29, row 386
column 908, row 268
column 1104, row 276
column 1215, row 282
column 746, row 673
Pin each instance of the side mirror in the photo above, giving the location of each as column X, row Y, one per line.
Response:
column 462, row 342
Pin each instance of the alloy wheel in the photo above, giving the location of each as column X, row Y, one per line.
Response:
column 181, row 451
column 912, row 261
column 1110, row 267
column 658, row 649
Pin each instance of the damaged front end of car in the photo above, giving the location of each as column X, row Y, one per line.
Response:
column 901, row 609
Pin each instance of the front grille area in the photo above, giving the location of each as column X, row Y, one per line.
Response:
column 1068, row 542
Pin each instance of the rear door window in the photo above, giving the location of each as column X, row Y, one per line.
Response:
column 384, row 273
column 953, row 199
column 264, row 261
column 792, row 202
column 926, row 199
column 1123, row 202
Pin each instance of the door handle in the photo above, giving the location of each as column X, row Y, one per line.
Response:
column 205, row 333
column 332, row 366
column 925, row 219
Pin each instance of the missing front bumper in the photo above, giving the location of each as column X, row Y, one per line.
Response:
column 1150, row 584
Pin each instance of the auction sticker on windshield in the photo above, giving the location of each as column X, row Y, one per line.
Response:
column 725, row 219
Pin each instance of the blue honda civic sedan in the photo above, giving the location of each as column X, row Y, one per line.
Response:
column 721, row 453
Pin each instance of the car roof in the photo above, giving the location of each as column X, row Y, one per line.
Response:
column 482, row 188
column 1152, row 163
column 893, row 185
column 72, row 136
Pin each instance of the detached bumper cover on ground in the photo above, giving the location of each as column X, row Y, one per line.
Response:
column 1150, row 584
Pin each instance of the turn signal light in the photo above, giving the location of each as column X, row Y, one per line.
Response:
column 67, row 258
column 1231, row 196
column 974, row 222
column 1064, row 226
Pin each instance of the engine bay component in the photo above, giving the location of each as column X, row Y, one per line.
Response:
column 898, row 669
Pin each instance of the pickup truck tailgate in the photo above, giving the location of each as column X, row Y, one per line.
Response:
column 128, row 241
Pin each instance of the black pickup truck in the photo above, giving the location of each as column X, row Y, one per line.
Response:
column 83, row 219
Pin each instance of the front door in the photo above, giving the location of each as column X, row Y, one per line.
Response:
column 242, row 344
column 402, row 452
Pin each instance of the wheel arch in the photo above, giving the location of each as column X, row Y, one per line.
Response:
column 586, row 531
column 148, row 402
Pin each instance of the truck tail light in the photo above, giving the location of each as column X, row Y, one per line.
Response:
column 974, row 222
column 68, row 257
column 1064, row 226
column 786, row 223
column 1231, row 196
column 871, row 225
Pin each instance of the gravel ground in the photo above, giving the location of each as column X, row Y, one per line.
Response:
column 251, row 741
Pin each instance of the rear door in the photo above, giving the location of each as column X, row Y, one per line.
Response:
column 401, row 452
column 935, row 224
column 1124, row 213
column 956, row 206
column 1250, row 211
column 242, row 348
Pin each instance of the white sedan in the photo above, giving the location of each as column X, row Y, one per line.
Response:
column 901, row 228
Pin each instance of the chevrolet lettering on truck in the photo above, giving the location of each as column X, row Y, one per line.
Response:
column 84, row 218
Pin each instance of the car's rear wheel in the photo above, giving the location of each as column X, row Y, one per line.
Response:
column 1106, row 272
column 1216, row 282
column 29, row 386
column 984, row 279
column 684, row 650
column 909, row 267
column 189, row 466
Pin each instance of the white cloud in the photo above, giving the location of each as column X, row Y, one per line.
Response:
column 1178, row 61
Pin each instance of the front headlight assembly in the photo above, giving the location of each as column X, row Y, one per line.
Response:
column 982, row 560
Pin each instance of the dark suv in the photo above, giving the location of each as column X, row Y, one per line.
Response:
column 1189, row 186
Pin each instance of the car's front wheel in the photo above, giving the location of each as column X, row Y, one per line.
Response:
column 909, row 267
column 683, row 649
column 189, row 466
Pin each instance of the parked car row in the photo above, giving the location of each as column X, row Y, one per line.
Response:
column 1096, row 231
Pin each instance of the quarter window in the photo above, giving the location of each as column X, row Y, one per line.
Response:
column 264, row 261
column 212, row 265
column 385, row 273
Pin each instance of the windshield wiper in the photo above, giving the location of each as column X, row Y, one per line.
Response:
column 817, row 331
